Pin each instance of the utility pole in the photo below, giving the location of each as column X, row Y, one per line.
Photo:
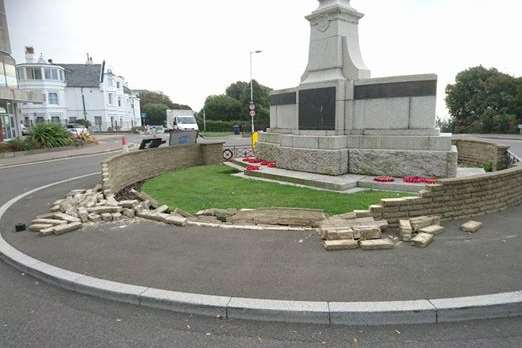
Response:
column 252, row 105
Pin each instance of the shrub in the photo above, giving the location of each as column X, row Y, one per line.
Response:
column 51, row 135
column 488, row 167
column 228, row 126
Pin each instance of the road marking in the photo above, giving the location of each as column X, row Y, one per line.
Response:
column 58, row 159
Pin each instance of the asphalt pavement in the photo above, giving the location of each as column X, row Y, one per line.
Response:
column 33, row 314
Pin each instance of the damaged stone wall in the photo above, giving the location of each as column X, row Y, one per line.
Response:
column 126, row 169
column 477, row 153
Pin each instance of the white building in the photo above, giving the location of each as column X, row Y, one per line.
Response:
column 75, row 92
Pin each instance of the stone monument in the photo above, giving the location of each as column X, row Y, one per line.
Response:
column 339, row 120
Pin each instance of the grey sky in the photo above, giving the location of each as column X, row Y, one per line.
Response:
column 190, row 49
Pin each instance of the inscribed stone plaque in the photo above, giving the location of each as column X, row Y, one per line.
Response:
column 317, row 109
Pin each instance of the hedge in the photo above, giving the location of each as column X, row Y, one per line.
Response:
column 228, row 126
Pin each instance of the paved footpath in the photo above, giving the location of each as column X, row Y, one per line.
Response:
column 33, row 314
column 275, row 264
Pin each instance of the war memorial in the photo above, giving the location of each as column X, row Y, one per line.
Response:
column 339, row 120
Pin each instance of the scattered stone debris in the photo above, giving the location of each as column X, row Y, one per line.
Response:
column 471, row 226
column 422, row 240
column 279, row 217
column 81, row 207
column 341, row 232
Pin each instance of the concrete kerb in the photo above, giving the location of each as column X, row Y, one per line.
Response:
column 502, row 305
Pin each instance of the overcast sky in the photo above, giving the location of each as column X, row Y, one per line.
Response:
column 190, row 49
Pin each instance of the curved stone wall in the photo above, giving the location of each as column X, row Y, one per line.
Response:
column 462, row 197
column 477, row 153
column 126, row 169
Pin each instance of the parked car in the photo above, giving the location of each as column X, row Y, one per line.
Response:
column 76, row 129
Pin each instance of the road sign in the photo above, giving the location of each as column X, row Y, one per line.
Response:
column 253, row 113
column 252, row 107
column 520, row 126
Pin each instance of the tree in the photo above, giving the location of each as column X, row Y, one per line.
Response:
column 150, row 97
column 156, row 114
column 481, row 98
column 234, row 104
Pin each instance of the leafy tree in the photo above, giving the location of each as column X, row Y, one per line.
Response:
column 150, row 97
column 484, row 100
column 156, row 114
column 223, row 108
column 234, row 104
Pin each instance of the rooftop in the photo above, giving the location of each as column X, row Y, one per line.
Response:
column 82, row 75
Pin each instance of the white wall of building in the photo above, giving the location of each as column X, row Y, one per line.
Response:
column 107, row 107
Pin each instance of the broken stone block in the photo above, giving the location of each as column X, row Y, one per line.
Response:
column 47, row 232
column 338, row 234
column 61, row 229
column 346, row 216
column 280, row 216
column 406, row 230
column 175, row 220
column 39, row 227
column 471, row 226
column 422, row 240
column 434, row 230
column 377, row 244
column 84, row 214
column 51, row 222
column 55, row 208
column 336, row 245
column 112, row 201
column 66, row 217
column 362, row 213
column 424, row 221
column 94, row 217
column 367, row 232
column 106, row 217
column 129, row 204
column 147, row 214
column 104, row 209
column 162, row 209
column 130, row 213
column 116, row 216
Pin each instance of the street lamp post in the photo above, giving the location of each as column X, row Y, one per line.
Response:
column 252, row 85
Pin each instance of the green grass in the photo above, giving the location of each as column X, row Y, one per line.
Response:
column 207, row 187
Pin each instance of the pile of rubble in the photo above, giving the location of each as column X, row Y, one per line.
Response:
column 81, row 207
column 354, row 230
column 360, row 230
column 420, row 231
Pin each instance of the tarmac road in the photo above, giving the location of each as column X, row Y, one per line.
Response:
column 33, row 314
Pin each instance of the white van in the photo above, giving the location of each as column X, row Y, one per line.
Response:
column 182, row 120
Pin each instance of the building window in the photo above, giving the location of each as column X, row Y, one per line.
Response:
column 33, row 73
column 118, row 85
column 20, row 74
column 72, row 119
column 47, row 73
column 119, row 101
column 55, row 119
column 40, row 119
column 110, row 98
column 62, row 76
column 51, row 74
column 53, row 99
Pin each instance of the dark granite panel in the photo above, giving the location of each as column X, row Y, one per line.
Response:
column 397, row 90
column 317, row 109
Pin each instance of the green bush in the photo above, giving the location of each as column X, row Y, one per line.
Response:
column 50, row 135
column 16, row 145
column 228, row 126
column 488, row 167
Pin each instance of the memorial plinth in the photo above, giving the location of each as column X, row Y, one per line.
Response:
column 339, row 120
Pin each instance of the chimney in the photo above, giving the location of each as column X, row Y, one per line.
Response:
column 89, row 59
column 29, row 54
column 41, row 60
column 50, row 61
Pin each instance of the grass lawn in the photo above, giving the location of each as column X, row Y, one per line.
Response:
column 207, row 187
